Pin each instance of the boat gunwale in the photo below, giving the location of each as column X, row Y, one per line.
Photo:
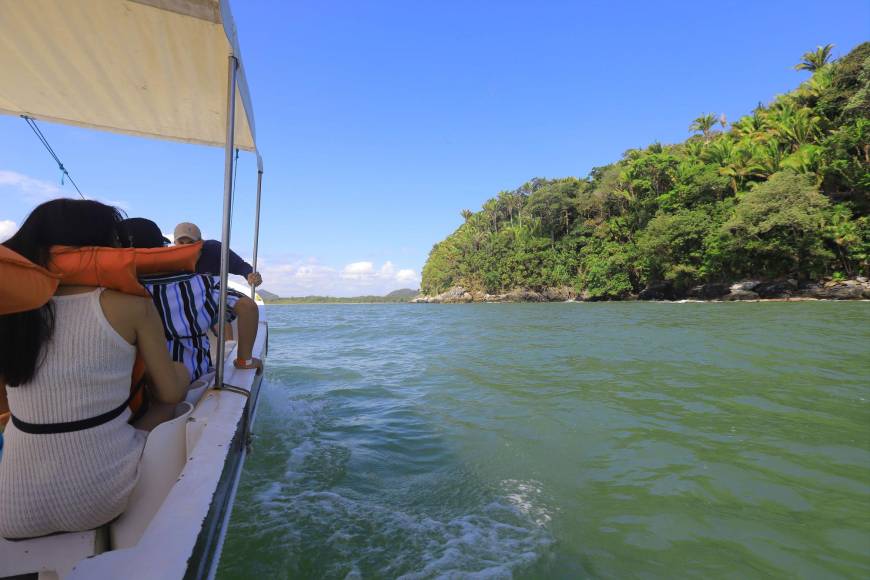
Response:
column 205, row 557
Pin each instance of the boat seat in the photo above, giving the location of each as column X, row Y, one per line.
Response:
column 50, row 557
column 198, row 387
column 163, row 459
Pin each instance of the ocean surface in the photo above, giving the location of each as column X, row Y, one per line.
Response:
column 620, row 440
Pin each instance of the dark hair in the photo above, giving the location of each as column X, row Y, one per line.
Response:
column 67, row 222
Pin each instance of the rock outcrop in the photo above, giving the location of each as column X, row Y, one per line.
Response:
column 525, row 295
column 745, row 286
column 658, row 291
column 710, row 291
column 856, row 289
column 735, row 295
column 559, row 294
column 777, row 289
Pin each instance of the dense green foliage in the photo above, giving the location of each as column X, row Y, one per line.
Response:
column 784, row 191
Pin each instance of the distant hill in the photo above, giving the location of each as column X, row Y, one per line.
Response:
column 403, row 293
column 397, row 296
column 266, row 295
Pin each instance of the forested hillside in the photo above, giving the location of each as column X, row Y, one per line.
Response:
column 780, row 193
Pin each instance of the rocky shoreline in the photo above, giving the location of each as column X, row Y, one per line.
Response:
column 746, row 290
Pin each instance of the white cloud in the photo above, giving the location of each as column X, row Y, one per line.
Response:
column 358, row 270
column 387, row 269
column 35, row 191
column 407, row 276
column 7, row 229
column 31, row 189
column 301, row 277
column 311, row 274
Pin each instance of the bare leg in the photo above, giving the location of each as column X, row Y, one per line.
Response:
column 248, row 317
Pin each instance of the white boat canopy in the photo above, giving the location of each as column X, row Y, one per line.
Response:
column 168, row 69
column 155, row 68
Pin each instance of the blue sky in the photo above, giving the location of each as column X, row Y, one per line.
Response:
column 380, row 121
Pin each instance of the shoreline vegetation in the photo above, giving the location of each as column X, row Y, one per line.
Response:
column 747, row 290
column 775, row 205
column 403, row 296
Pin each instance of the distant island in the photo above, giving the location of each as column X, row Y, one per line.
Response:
column 773, row 205
column 266, row 295
column 397, row 296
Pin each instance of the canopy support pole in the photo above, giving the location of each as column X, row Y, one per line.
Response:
column 225, row 231
column 257, row 218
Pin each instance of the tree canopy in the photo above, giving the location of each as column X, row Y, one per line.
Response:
column 784, row 191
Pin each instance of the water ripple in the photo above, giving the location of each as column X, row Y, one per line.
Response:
column 560, row 441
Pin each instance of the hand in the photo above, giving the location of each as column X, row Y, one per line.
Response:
column 254, row 279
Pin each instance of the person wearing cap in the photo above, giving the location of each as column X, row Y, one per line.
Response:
column 210, row 259
column 188, row 307
column 141, row 233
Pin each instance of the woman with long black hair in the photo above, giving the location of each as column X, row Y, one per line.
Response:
column 71, row 458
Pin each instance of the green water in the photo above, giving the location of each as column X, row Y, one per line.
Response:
column 622, row 440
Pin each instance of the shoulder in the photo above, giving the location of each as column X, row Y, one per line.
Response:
column 211, row 245
column 125, row 304
column 126, row 313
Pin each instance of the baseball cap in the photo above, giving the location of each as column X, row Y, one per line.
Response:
column 187, row 230
column 141, row 233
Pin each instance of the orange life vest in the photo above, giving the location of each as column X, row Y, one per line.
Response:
column 119, row 268
column 26, row 286
column 23, row 285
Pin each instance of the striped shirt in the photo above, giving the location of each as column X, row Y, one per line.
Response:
column 188, row 307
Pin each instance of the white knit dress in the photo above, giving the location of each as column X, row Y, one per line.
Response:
column 82, row 479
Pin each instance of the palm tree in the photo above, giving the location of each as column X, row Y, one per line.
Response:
column 504, row 206
column 815, row 59
column 466, row 214
column 704, row 124
column 694, row 148
column 478, row 239
column 768, row 156
column 805, row 159
column 490, row 209
column 843, row 231
column 515, row 203
column 818, row 84
column 740, row 166
column 793, row 126
column 752, row 126
column 720, row 151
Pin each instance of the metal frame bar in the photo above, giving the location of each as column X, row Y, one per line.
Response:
column 257, row 218
column 232, row 74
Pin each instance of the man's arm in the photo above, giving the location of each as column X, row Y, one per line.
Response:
column 210, row 260
column 238, row 265
column 242, row 268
